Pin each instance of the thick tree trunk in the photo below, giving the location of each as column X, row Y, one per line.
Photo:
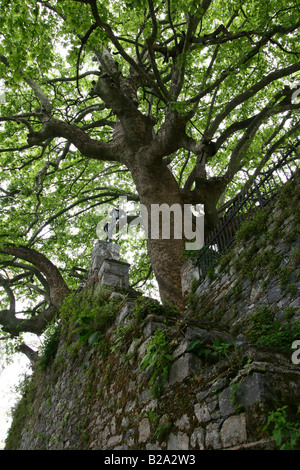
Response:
column 156, row 186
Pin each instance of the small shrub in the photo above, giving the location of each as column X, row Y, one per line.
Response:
column 265, row 331
column 146, row 306
column 286, row 434
column 89, row 315
column 157, row 359
column 211, row 351
column 254, row 226
column 52, row 337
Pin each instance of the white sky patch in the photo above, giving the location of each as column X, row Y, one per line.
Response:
column 2, row 91
column 10, row 378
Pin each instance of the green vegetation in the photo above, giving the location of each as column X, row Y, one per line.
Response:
column 254, row 226
column 211, row 351
column 88, row 314
column 265, row 233
column 157, row 359
column 143, row 306
column 51, row 342
column 265, row 331
column 97, row 98
column 235, row 396
column 285, row 433
column 161, row 424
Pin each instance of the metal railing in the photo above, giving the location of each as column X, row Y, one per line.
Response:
column 263, row 189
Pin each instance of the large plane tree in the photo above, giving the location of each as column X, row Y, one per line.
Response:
column 164, row 102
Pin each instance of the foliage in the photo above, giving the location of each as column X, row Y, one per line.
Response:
column 235, row 396
column 266, row 331
column 157, row 359
column 208, row 86
column 285, row 433
column 144, row 306
column 51, row 342
column 162, row 425
column 89, row 314
column 130, row 331
column 212, row 350
column 254, row 226
column 290, row 192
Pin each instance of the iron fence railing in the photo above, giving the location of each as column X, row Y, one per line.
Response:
column 263, row 189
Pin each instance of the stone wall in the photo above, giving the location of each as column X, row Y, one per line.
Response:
column 261, row 272
column 157, row 380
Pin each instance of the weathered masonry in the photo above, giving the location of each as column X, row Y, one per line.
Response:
column 126, row 373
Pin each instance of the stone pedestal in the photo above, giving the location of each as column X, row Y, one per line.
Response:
column 107, row 267
column 114, row 273
column 103, row 250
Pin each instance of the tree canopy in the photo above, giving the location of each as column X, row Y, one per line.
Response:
column 171, row 101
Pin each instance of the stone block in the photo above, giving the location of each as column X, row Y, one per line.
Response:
column 116, row 296
column 144, row 397
column 130, row 405
column 183, row 367
column 233, row 431
column 225, row 402
column 202, row 413
column 183, row 423
column 144, row 430
column 154, row 446
column 181, row 349
column 125, row 312
column 253, row 389
column 193, row 333
column 274, row 294
column 143, row 348
column 150, row 406
column 151, row 327
column 218, row 384
column 178, row 441
column 103, row 250
column 211, row 404
column 202, row 395
column 256, row 293
column 203, row 285
column 115, row 267
column 114, row 273
column 189, row 272
column 212, row 437
column 296, row 302
column 114, row 440
column 133, row 346
column 197, row 439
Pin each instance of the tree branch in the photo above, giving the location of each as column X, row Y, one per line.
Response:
column 266, row 37
column 113, row 194
column 30, row 353
column 88, row 147
column 33, row 271
column 246, row 139
column 57, row 285
column 46, row 105
column 110, row 34
column 253, row 90
column 12, row 301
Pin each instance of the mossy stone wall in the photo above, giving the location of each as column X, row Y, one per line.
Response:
column 151, row 379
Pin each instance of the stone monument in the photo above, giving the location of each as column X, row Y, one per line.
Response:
column 106, row 266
